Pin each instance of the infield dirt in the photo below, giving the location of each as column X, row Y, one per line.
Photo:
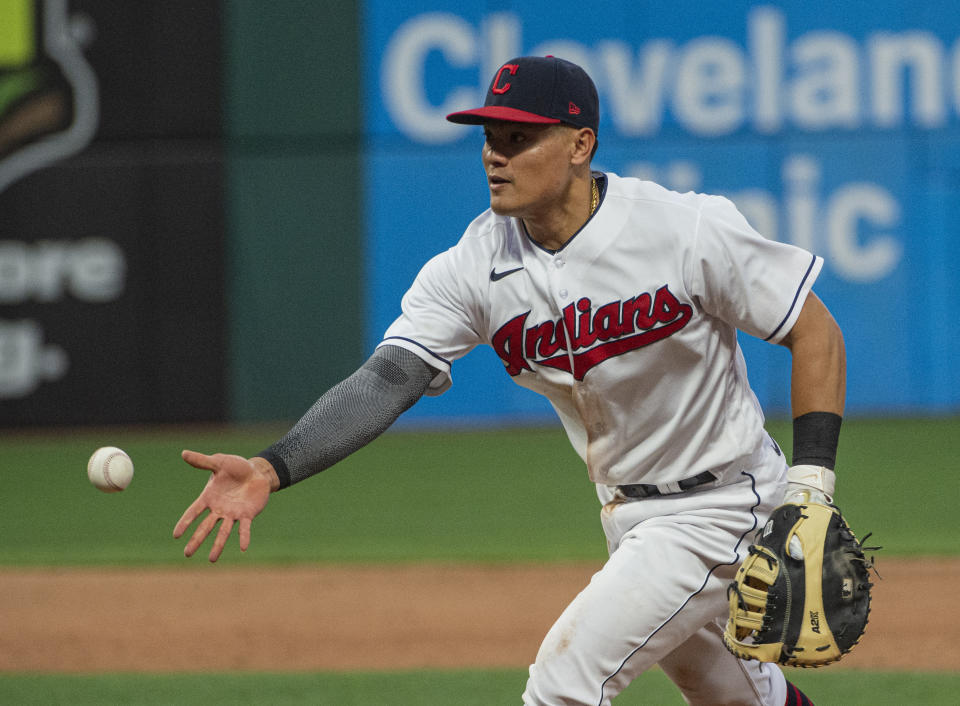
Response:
column 217, row 618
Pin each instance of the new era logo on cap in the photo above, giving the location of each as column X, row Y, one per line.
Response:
column 538, row 89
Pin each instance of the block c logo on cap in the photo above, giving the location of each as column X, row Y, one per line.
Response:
column 497, row 88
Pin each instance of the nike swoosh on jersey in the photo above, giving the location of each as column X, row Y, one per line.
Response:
column 494, row 275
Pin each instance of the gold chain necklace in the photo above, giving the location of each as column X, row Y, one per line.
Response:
column 594, row 196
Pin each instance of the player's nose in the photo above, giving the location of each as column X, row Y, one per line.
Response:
column 493, row 157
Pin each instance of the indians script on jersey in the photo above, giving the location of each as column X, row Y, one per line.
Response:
column 612, row 329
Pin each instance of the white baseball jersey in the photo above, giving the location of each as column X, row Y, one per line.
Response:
column 629, row 329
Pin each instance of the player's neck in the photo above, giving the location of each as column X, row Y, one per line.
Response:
column 556, row 225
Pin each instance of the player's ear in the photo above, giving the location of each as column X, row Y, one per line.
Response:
column 584, row 145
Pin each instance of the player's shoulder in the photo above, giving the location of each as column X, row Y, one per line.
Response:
column 487, row 236
column 652, row 193
column 485, row 230
column 482, row 242
column 656, row 210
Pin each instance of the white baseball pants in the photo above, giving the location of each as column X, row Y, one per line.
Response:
column 661, row 597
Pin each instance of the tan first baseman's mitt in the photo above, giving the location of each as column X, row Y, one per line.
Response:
column 802, row 595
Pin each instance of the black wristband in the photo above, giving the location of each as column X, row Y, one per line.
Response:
column 279, row 465
column 815, row 439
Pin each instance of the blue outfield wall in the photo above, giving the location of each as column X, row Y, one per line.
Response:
column 834, row 127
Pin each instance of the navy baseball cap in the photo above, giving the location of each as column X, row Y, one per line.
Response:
column 538, row 89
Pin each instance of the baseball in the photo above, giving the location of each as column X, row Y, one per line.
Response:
column 110, row 469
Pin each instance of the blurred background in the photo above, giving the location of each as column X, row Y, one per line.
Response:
column 209, row 211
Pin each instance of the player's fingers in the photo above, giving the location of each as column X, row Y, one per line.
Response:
column 221, row 540
column 200, row 534
column 199, row 460
column 244, row 531
column 187, row 518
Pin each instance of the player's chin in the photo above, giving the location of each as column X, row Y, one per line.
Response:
column 502, row 206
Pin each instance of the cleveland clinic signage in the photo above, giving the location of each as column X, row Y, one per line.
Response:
column 825, row 126
column 708, row 86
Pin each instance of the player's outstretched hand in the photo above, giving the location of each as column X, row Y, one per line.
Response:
column 237, row 491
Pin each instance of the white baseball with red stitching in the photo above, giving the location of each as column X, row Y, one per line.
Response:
column 110, row 469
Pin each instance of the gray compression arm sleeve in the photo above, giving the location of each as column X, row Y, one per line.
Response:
column 351, row 414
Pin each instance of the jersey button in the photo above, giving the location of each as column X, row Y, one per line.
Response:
column 562, row 293
column 559, row 262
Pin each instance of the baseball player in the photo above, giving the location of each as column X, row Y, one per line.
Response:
column 620, row 302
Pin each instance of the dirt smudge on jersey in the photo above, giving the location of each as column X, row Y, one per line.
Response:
column 590, row 408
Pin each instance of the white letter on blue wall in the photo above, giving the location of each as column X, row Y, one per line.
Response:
column 403, row 79
column 848, row 206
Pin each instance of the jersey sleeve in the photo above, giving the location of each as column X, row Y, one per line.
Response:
column 435, row 323
column 756, row 284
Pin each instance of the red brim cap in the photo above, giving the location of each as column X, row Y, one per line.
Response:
column 537, row 89
column 478, row 116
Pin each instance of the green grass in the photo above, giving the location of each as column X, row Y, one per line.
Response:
column 407, row 497
column 519, row 495
column 897, row 478
column 420, row 688
column 427, row 688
